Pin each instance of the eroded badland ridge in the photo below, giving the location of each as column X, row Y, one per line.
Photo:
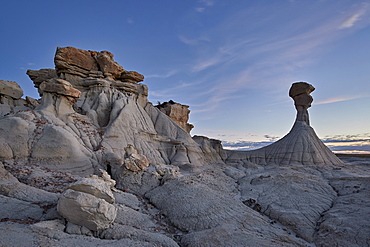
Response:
column 94, row 163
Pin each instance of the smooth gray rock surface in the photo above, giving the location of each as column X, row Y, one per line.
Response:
column 12, row 208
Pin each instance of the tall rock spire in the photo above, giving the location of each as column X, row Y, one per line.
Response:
column 300, row 146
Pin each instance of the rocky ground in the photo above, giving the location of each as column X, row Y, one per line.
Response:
column 229, row 206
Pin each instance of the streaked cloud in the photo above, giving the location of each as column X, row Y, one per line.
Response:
column 353, row 19
column 205, row 64
column 356, row 17
column 269, row 60
column 193, row 41
column 339, row 99
column 200, row 10
column 204, row 5
column 165, row 75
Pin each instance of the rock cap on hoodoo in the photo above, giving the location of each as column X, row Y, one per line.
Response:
column 298, row 88
column 39, row 76
column 72, row 63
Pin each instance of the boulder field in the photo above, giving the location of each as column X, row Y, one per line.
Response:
column 93, row 163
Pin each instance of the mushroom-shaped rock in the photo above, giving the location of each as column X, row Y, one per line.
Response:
column 89, row 202
column 58, row 96
column 11, row 88
column 300, row 146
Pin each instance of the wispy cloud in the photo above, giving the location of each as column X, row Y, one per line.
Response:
column 339, row 99
column 205, row 64
column 262, row 57
column 165, row 75
column 204, row 4
column 354, row 18
column 200, row 9
column 172, row 92
column 193, row 41
column 351, row 21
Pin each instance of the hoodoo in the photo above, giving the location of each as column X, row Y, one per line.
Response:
column 300, row 146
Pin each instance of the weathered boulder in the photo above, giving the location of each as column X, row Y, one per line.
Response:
column 86, row 210
column 95, row 186
column 134, row 161
column 89, row 203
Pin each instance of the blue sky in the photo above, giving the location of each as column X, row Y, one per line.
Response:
column 232, row 62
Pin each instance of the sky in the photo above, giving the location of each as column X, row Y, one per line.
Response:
column 232, row 62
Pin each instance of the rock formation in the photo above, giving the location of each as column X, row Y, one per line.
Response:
column 178, row 113
column 10, row 97
column 73, row 64
column 300, row 146
column 93, row 162
column 89, row 202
